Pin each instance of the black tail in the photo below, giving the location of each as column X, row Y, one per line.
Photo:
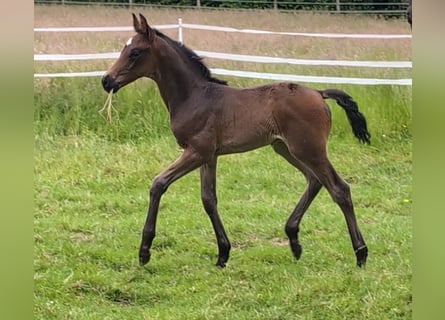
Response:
column 356, row 118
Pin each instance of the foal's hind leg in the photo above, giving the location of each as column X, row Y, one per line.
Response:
column 341, row 194
column 209, row 200
column 312, row 189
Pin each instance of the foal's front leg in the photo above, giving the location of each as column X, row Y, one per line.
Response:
column 209, row 201
column 188, row 161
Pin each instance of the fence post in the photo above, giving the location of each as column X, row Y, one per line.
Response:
column 180, row 30
column 198, row 3
column 275, row 4
column 337, row 2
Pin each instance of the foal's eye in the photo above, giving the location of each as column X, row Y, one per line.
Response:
column 135, row 53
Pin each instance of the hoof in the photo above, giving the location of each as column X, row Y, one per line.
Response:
column 361, row 255
column 220, row 264
column 144, row 258
column 222, row 261
column 296, row 250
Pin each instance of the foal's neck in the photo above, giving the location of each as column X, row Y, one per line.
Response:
column 176, row 80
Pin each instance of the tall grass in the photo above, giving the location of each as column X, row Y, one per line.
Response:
column 71, row 107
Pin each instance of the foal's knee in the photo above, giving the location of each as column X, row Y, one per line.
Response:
column 158, row 187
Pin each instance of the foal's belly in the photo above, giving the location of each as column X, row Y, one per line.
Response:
column 244, row 139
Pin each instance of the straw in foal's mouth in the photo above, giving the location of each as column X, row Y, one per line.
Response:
column 108, row 106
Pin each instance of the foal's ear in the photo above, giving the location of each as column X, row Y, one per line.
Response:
column 136, row 25
column 146, row 29
column 142, row 27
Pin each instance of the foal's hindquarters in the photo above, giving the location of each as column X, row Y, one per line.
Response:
column 304, row 121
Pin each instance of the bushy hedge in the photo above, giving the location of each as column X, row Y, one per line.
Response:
column 352, row 5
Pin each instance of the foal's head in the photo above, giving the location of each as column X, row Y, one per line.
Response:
column 135, row 60
column 142, row 55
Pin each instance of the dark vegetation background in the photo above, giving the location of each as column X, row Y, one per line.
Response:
column 392, row 7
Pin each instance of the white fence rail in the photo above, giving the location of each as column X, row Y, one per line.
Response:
column 237, row 57
column 192, row 26
column 257, row 75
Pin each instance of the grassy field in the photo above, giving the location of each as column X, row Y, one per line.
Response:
column 92, row 178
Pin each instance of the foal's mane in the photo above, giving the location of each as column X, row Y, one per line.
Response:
column 190, row 55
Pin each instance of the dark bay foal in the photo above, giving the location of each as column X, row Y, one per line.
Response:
column 209, row 119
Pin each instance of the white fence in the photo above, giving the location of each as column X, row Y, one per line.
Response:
column 237, row 57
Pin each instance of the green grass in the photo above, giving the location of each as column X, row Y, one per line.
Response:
column 92, row 180
column 91, row 185
column 91, row 200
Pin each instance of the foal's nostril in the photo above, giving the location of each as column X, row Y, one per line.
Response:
column 106, row 82
column 109, row 83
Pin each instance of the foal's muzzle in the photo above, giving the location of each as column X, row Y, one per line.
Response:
column 109, row 83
